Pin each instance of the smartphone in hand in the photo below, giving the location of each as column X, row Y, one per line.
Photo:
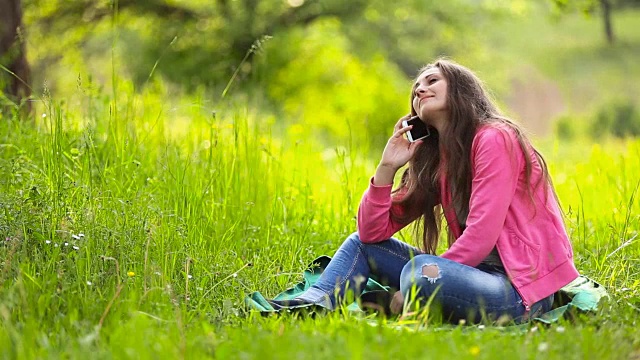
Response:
column 418, row 131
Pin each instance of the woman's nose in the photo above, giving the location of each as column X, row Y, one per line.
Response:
column 420, row 90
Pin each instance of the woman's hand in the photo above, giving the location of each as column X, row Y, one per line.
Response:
column 396, row 154
column 399, row 150
column 397, row 303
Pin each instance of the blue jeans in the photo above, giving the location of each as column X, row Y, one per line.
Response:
column 463, row 292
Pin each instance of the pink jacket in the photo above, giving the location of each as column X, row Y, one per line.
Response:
column 530, row 238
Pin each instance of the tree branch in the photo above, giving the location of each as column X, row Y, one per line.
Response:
column 70, row 12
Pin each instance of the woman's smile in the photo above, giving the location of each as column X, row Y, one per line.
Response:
column 424, row 98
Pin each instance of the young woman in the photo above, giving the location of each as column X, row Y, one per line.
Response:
column 508, row 249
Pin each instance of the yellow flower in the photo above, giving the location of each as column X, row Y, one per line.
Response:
column 475, row 350
column 131, row 274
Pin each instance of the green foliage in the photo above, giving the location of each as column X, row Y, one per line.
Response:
column 411, row 33
column 565, row 127
column 619, row 118
column 587, row 7
column 575, row 127
column 333, row 94
column 199, row 42
column 202, row 43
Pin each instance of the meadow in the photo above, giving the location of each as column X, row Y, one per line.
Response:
column 133, row 226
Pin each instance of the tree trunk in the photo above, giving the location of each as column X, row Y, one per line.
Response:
column 606, row 17
column 12, row 52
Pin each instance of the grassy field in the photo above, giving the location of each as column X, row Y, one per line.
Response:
column 133, row 226
column 126, row 239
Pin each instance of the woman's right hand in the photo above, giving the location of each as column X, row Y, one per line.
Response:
column 396, row 154
column 399, row 150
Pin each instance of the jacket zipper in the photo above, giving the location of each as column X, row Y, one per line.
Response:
column 527, row 308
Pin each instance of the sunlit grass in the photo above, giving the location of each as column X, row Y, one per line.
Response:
column 127, row 237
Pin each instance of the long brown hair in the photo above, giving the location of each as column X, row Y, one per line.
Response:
column 469, row 107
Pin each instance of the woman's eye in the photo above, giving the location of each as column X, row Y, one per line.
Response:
column 431, row 81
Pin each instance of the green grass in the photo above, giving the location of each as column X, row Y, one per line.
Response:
column 130, row 238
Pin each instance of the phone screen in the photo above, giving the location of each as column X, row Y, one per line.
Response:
column 419, row 130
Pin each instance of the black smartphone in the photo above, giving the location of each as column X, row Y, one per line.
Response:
column 418, row 131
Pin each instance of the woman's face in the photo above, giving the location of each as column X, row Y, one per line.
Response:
column 430, row 95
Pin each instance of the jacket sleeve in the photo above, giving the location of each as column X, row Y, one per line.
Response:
column 375, row 222
column 496, row 164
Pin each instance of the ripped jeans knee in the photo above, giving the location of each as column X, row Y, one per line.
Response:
column 460, row 291
column 424, row 271
column 431, row 272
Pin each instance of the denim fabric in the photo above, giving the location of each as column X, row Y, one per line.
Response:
column 461, row 291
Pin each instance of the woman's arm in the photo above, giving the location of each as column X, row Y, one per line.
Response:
column 496, row 161
column 375, row 221
column 375, row 214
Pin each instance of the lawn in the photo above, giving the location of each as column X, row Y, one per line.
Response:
column 128, row 239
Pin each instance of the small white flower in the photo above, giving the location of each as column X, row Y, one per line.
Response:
column 189, row 276
column 234, row 275
column 75, row 236
column 44, row 115
column 158, row 273
column 48, row 242
column 76, row 248
column 81, row 235
column 543, row 347
column 89, row 283
column 560, row 329
column 56, row 245
column 481, row 327
column 66, row 244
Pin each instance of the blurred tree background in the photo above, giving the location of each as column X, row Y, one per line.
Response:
column 334, row 68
